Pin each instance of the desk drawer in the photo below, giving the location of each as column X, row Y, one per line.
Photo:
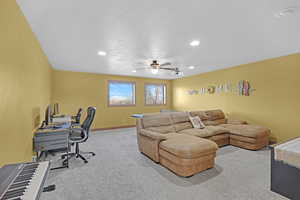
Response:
column 50, row 145
column 49, row 137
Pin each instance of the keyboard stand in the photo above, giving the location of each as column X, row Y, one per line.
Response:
column 65, row 163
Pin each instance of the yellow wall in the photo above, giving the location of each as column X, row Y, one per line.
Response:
column 275, row 103
column 73, row 90
column 25, row 84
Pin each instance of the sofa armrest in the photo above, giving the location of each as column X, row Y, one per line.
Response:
column 148, row 142
column 236, row 121
column 153, row 135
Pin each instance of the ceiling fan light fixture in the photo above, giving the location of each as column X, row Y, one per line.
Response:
column 154, row 71
column 195, row 43
column 191, row 67
column 154, row 64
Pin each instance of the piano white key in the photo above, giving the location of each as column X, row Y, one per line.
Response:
column 35, row 185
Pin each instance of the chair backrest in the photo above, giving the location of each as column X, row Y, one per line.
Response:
column 86, row 125
column 78, row 115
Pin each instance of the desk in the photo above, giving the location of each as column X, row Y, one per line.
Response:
column 54, row 137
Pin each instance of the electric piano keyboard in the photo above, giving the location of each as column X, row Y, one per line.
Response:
column 23, row 181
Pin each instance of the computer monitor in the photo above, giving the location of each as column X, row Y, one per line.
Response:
column 48, row 114
column 56, row 109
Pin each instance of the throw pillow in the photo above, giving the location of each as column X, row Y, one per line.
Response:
column 197, row 123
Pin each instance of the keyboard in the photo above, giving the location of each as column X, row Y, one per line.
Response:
column 24, row 181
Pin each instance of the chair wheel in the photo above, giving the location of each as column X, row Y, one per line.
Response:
column 85, row 161
column 63, row 157
column 93, row 154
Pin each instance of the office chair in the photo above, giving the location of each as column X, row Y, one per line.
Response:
column 77, row 117
column 80, row 135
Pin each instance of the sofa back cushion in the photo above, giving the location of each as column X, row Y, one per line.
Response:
column 182, row 125
column 215, row 114
column 156, row 120
column 215, row 122
column 181, row 121
column 211, row 117
column 201, row 114
column 160, row 123
column 179, row 117
column 162, row 129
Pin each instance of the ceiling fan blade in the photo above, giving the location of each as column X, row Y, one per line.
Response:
column 141, row 68
column 168, row 68
column 165, row 64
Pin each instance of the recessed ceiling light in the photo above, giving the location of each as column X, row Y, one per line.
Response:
column 191, row 67
column 195, row 43
column 102, row 53
column 134, row 71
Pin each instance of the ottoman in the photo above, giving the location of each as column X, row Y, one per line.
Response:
column 247, row 136
column 186, row 155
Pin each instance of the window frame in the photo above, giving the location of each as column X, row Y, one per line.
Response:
column 121, row 105
column 165, row 94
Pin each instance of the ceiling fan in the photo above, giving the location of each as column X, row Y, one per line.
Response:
column 155, row 67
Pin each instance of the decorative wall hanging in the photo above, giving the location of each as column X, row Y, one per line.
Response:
column 219, row 88
column 242, row 88
column 202, row 90
column 211, row 89
column 192, row 92
column 245, row 88
column 228, row 87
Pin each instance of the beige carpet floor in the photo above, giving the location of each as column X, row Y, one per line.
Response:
column 120, row 172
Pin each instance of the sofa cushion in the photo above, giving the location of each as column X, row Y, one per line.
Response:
column 170, row 135
column 182, row 126
column 244, row 139
column 156, row 135
column 246, row 130
column 162, row 129
column 185, row 146
column 205, row 132
column 236, row 121
column 179, row 117
column 215, row 114
column 156, row 120
column 181, row 120
column 218, row 137
column 215, row 122
column 153, row 135
column 201, row 114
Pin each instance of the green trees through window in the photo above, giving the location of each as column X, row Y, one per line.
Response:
column 155, row 94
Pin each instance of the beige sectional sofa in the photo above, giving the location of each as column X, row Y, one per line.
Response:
column 171, row 140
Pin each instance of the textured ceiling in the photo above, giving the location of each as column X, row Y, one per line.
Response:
column 133, row 32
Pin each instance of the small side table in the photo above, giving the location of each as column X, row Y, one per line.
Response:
column 138, row 116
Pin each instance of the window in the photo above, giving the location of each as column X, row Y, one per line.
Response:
column 155, row 94
column 121, row 93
